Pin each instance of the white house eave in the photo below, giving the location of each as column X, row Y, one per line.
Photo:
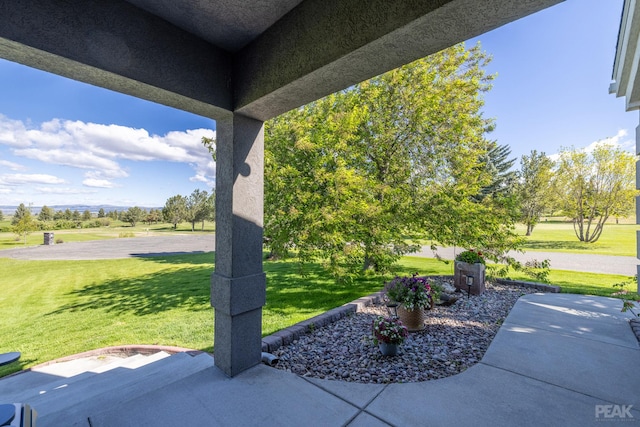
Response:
column 626, row 81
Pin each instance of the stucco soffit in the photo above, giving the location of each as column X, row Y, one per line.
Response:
column 120, row 47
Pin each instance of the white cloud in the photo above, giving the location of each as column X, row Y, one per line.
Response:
column 618, row 140
column 73, row 158
column 99, row 183
column 63, row 190
column 104, row 174
column 100, row 148
column 11, row 165
column 19, row 179
column 13, row 132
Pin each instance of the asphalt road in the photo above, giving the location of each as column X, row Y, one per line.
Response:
column 625, row 265
column 169, row 244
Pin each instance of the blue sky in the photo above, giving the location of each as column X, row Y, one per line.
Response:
column 65, row 142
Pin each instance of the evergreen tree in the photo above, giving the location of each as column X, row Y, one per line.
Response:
column 46, row 213
column 21, row 212
column 499, row 167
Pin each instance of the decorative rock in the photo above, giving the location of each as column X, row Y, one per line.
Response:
column 455, row 339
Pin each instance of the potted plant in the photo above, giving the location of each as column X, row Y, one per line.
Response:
column 468, row 272
column 471, row 257
column 388, row 334
column 413, row 296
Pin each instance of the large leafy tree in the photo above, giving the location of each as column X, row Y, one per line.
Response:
column 174, row 210
column 210, row 209
column 594, row 186
column 534, row 189
column 197, row 207
column 134, row 215
column 25, row 223
column 350, row 176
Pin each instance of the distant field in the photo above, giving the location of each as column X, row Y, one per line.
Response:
column 116, row 229
column 616, row 239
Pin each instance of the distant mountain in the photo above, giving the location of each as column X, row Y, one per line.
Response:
column 94, row 209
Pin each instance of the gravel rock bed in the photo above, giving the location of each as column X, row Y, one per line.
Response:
column 456, row 337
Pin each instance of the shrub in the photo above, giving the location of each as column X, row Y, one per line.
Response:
column 63, row 224
column 471, row 257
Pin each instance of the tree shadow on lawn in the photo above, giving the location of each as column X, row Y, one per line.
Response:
column 187, row 288
column 561, row 244
column 289, row 292
column 195, row 258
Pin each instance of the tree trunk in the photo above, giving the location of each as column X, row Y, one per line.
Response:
column 369, row 264
column 529, row 229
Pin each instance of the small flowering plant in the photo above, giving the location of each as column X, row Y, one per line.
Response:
column 628, row 303
column 629, row 306
column 412, row 292
column 389, row 330
column 470, row 256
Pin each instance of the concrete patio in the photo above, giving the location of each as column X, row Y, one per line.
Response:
column 558, row 359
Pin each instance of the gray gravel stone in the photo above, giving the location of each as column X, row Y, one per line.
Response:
column 456, row 337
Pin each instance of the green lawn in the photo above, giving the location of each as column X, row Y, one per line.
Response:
column 52, row 309
column 616, row 239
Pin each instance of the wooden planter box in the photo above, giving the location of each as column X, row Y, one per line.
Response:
column 462, row 270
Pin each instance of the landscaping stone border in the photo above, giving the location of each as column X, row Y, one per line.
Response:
column 540, row 286
column 286, row 336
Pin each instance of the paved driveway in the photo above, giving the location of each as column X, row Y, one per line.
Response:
column 166, row 244
column 625, row 265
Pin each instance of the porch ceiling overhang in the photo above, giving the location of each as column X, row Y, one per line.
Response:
column 626, row 81
column 258, row 58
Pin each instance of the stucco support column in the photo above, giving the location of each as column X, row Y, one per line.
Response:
column 238, row 284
